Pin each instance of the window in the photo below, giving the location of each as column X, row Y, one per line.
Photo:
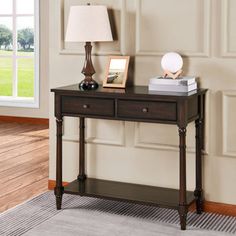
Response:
column 19, row 57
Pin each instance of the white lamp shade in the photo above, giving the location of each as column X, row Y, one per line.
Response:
column 88, row 24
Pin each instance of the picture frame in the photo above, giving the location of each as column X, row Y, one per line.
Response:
column 116, row 72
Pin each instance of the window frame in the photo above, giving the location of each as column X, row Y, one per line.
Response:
column 14, row 100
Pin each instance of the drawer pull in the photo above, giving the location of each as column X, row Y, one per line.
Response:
column 85, row 106
column 145, row 110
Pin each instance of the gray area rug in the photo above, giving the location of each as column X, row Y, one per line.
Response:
column 86, row 216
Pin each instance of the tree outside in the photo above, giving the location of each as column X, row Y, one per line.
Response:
column 25, row 39
column 5, row 37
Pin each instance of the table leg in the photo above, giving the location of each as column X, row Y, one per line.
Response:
column 183, row 208
column 59, row 189
column 82, row 175
column 198, row 191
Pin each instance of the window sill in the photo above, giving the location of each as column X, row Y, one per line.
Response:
column 19, row 102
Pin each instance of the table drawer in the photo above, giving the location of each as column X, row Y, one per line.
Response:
column 88, row 106
column 147, row 110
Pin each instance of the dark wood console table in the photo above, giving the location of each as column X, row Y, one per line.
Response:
column 133, row 104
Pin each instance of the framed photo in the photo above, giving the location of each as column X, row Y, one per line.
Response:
column 116, row 72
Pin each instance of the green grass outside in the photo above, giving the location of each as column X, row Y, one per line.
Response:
column 5, row 77
column 25, row 75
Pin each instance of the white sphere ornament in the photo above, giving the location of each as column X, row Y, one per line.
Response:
column 172, row 62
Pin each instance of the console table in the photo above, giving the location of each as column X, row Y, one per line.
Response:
column 140, row 105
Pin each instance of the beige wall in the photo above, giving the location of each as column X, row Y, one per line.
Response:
column 43, row 110
column 201, row 30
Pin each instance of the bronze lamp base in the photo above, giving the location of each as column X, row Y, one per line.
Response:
column 88, row 83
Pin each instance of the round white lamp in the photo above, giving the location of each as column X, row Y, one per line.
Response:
column 172, row 64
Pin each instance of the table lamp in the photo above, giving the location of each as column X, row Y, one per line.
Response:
column 88, row 23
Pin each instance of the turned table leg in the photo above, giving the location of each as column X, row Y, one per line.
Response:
column 198, row 190
column 183, row 209
column 82, row 175
column 59, row 189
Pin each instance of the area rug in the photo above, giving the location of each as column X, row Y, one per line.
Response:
column 86, row 216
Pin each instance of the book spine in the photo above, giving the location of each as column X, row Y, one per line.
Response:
column 172, row 88
column 164, row 81
column 172, row 81
column 187, row 82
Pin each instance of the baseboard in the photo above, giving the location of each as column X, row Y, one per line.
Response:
column 52, row 184
column 28, row 120
column 211, row 207
column 220, row 208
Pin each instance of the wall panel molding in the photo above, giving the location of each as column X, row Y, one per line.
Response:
column 226, row 95
column 155, row 145
column 226, row 51
column 206, row 149
column 65, row 51
column 205, row 37
column 96, row 140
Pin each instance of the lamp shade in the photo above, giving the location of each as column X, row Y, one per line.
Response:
column 88, row 24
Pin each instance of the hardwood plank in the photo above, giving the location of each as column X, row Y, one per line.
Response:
column 26, row 147
column 19, row 133
column 20, row 195
column 23, row 141
column 25, row 179
column 23, row 162
column 5, row 128
column 17, row 171
column 41, row 152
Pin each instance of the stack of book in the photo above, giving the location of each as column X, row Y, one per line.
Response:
column 181, row 84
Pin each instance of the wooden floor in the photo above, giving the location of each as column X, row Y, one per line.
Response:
column 24, row 153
